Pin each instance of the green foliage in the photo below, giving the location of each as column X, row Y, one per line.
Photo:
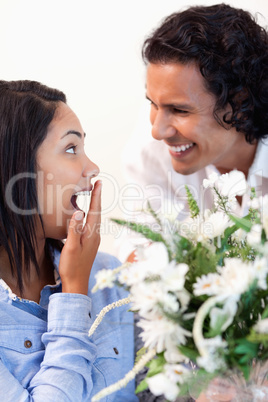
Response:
column 243, row 223
column 189, row 352
column 194, row 209
column 142, row 386
column 142, row 229
column 244, row 344
column 156, row 365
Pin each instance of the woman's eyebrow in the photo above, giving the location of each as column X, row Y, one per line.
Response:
column 75, row 133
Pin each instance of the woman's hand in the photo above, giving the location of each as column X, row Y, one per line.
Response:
column 81, row 246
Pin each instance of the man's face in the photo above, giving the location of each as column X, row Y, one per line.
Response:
column 182, row 116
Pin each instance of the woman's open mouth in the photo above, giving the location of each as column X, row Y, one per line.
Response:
column 81, row 200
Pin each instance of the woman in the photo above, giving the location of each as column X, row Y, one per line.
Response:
column 46, row 307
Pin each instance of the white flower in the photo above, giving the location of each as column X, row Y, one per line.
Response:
column 146, row 296
column 211, row 360
column 155, row 259
column 105, row 278
column 132, row 275
column 232, row 184
column 212, row 178
column 176, row 372
column 173, row 277
column 260, row 271
column 184, row 298
column 223, row 316
column 254, row 236
column 160, row 384
column 261, row 326
column 207, row 285
column 236, row 277
column 210, row 363
column 239, row 235
column 173, row 355
column 170, row 303
column 159, row 332
column 155, row 332
column 203, row 228
column 217, row 223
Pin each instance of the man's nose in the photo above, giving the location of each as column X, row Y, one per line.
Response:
column 162, row 127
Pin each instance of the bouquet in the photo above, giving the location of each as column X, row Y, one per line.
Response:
column 200, row 289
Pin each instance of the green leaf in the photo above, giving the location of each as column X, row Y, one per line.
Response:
column 265, row 313
column 156, row 365
column 255, row 337
column 194, row 209
column 142, row 386
column 189, row 352
column 242, row 223
column 245, row 370
column 247, row 349
column 139, row 228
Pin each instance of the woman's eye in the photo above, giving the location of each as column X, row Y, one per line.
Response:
column 71, row 150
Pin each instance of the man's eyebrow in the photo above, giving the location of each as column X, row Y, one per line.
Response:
column 75, row 133
column 182, row 106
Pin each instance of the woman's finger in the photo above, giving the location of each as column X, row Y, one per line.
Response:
column 75, row 230
column 94, row 213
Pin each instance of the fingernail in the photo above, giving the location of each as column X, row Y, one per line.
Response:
column 79, row 215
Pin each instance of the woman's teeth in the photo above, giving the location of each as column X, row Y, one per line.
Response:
column 181, row 148
column 80, row 200
column 83, row 200
column 82, row 193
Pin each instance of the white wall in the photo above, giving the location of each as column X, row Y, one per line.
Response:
column 91, row 51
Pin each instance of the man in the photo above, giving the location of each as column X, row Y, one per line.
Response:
column 207, row 81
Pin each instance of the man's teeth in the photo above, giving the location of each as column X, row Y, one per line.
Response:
column 182, row 148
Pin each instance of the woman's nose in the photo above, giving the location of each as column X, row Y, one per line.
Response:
column 162, row 127
column 91, row 169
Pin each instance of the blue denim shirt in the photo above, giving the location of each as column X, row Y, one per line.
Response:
column 46, row 354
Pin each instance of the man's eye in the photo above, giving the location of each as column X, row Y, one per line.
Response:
column 71, row 150
column 179, row 111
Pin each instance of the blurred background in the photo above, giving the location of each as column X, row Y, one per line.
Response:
column 91, row 50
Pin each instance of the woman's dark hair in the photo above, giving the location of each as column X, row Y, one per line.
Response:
column 231, row 51
column 26, row 110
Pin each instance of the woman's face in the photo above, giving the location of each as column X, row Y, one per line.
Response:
column 63, row 170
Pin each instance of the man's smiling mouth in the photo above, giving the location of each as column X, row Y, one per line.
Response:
column 181, row 148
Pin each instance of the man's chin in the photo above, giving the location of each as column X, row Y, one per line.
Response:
column 184, row 170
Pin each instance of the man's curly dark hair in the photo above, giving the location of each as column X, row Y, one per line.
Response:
column 231, row 50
